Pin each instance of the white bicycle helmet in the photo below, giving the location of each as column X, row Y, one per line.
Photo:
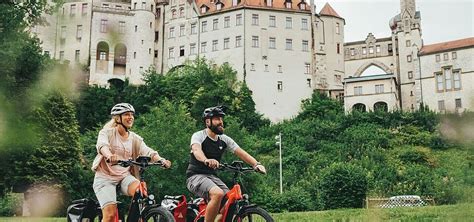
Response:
column 121, row 108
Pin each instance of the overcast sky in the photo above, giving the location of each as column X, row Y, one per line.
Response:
column 441, row 20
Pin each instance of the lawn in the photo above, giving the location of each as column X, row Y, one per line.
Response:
column 459, row 212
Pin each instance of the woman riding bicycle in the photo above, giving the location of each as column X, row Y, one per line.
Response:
column 116, row 142
column 207, row 148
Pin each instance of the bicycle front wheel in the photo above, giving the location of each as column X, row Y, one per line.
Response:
column 158, row 214
column 253, row 214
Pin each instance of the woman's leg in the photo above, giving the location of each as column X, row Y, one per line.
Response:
column 109, row 213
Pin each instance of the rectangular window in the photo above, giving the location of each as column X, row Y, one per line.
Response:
column 438, row 58
column 204, row 26
column 379, row 88
column 445, row 56
column 410, row 75
column 157, row 35
column 390, row 48
column 441, row 106
column 255, row 41
column 338, row 28
column 280, row 86
column 269, row 3
column 103, row 55
column 371, row 50
column 358, row 90
column 156, row 53
column 84, row 8
column 182, row 30
column 280, row 70
column 214, row 45
column 439, row 82
column 448, row 79
column 226, row 43
column 136, row 28
column 103, row 25
column 457, row 79
column 77, row 55
column 171, row 33
column 252, row 66
column 238, row 41
column 181, row 51
column 338, row 48
column 377, row 48
column 79, row 32
column 238, row 19
column 454, row 55
column 308, row 82
column 352, row 52
column 171, row 53
column 61, row 55
column 304, row 24
column 121, row 27
column 408, row 58
column 305, row 46
column 337, row 78
column 192, row 49
column 408, row 43
column 193, row 29
column 272, row 43
column 63, row 32
column 215, row 24
column 254, row 19
column 307, row 68
column 364, row 50
column 227, row 22
column 458, row 103
column 266, row 68
column 289, row 44
column 289, row 22
column 272, row 21
column 203, row 47
column 73, row 10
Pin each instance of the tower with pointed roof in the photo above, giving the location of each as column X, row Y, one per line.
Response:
column 329, row 41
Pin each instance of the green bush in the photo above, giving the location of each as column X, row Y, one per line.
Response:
column 11, row 205
column 343, row 185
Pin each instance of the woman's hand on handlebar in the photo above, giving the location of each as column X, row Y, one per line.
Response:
column 166, row 163
column 113, row 159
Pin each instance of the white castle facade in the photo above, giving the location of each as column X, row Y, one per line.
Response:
column 283, row 49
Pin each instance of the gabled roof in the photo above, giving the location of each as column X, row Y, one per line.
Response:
column 445, row 46
column 329, row 11
column 258, row 4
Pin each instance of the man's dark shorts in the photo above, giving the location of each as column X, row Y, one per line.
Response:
column 201, row 184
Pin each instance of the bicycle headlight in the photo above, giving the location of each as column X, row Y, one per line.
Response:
column 151, row 197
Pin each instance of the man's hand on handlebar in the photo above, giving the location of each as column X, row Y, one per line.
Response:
column 212, row 163
column 260, row 168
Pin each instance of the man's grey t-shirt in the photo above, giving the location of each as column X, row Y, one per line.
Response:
column 212, row 149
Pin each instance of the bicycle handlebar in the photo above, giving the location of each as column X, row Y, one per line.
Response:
column 127, row 163
column 234, row 168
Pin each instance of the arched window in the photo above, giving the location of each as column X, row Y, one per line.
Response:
column 381, row 106
column 181, row 12
column 173, row 13
column 359, row 107
column 102, row 51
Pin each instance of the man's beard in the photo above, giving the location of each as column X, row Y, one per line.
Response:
column 215, row 129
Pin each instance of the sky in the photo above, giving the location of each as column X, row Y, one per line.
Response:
column 441, row 20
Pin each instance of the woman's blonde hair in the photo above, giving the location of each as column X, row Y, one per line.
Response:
column 112, row 123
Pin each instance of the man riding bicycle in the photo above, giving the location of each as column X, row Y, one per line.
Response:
column 115, row 142
column 207, row 147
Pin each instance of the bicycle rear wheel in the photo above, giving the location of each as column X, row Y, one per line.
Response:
column 253, row 214
column 158, row 214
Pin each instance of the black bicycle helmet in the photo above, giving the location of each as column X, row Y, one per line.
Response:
column 216, row 111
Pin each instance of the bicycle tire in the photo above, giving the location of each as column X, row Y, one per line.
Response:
column 246, row 215
column 158, row 214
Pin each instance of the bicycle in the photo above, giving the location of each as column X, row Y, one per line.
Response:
column 238, row 207
column 144, row 207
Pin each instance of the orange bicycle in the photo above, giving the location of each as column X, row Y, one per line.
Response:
column 238, row 207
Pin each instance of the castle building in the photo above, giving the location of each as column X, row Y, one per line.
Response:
column 282, row 49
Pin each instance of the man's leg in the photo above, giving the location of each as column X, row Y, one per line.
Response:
column 215, row 194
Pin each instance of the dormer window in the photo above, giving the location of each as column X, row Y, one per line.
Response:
column 235, row 2
column 269, row 3
column 302, row 5
column 288, row 4
column 219, row 5
column 204, row 8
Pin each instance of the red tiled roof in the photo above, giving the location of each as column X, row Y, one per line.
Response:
column 328, row 10
column 276, row 4
column 444, row 46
